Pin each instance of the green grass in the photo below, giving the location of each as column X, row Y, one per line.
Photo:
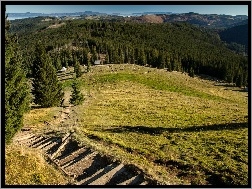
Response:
column 153, row 82
column 197, row 132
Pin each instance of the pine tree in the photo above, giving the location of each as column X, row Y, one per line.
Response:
column 76, row 97
column 191, row 72
column 126, row 54
column 77, row 69
column 84, row 57
column 88, row 66
column 46, row 88
column 239, row 79
column 161, row 60
column 154, row 58
column 107, row 59
column 57, row 63
column 17, row 92
column 141, row 57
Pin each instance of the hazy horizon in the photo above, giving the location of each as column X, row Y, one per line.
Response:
column 129, row 9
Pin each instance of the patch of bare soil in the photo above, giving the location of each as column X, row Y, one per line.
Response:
column 56, row 25
column 152, row 19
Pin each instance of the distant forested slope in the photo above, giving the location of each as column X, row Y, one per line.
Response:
column 237, row 34
column 30, row 25
column 175, row 46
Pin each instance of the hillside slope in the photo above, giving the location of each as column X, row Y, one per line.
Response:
column 176, row 46
column 173, row 127
column 237, row 34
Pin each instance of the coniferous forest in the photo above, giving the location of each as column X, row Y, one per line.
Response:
column 175, row 46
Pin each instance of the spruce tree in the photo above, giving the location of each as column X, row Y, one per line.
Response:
column 239, row 79
column 77, row 69
column 17, row 92
column 191, row 72
column 107, row 59
column 141, row 57
column 57, row 63
column 76, row 97
column 88, row 66
column 47, row 90
column 85, row 57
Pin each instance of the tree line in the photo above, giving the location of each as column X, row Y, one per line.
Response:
column 175, row 46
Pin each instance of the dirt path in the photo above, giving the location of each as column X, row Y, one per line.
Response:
column 83, row 164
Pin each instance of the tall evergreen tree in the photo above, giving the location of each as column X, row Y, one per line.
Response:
column 88, row 66
column 191, row 72
column 107, row 59
column 126, row 54
column 46, row 88
column 77, row 69
column 141, row 57
column 76, row 97
column 17, row 93
column 239, row 79
column 57, row 63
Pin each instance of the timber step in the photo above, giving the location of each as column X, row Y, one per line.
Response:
column 86, row 166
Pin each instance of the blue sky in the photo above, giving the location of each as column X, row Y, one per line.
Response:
column 127, row 9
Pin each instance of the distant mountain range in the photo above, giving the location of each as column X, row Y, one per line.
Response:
column 29, row 14
column 203, row 20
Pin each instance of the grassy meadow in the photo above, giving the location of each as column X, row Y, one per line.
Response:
column 178, row 129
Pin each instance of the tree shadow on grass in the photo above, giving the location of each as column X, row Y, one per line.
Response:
column 32, row 107
column 160, row 130
column 240, row 90
column 224, row 85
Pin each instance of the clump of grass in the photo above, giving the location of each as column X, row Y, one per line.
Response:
column 28, row 167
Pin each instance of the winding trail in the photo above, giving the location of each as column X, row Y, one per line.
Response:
column 84, row 165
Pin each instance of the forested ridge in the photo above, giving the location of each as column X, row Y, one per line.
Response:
column 175, row 46
column 237, row 36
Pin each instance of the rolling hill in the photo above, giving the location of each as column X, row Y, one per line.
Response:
column 174, row 128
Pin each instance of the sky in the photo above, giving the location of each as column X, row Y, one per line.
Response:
column 128, row 9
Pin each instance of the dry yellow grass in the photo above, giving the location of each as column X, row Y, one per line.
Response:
column 24, row 166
